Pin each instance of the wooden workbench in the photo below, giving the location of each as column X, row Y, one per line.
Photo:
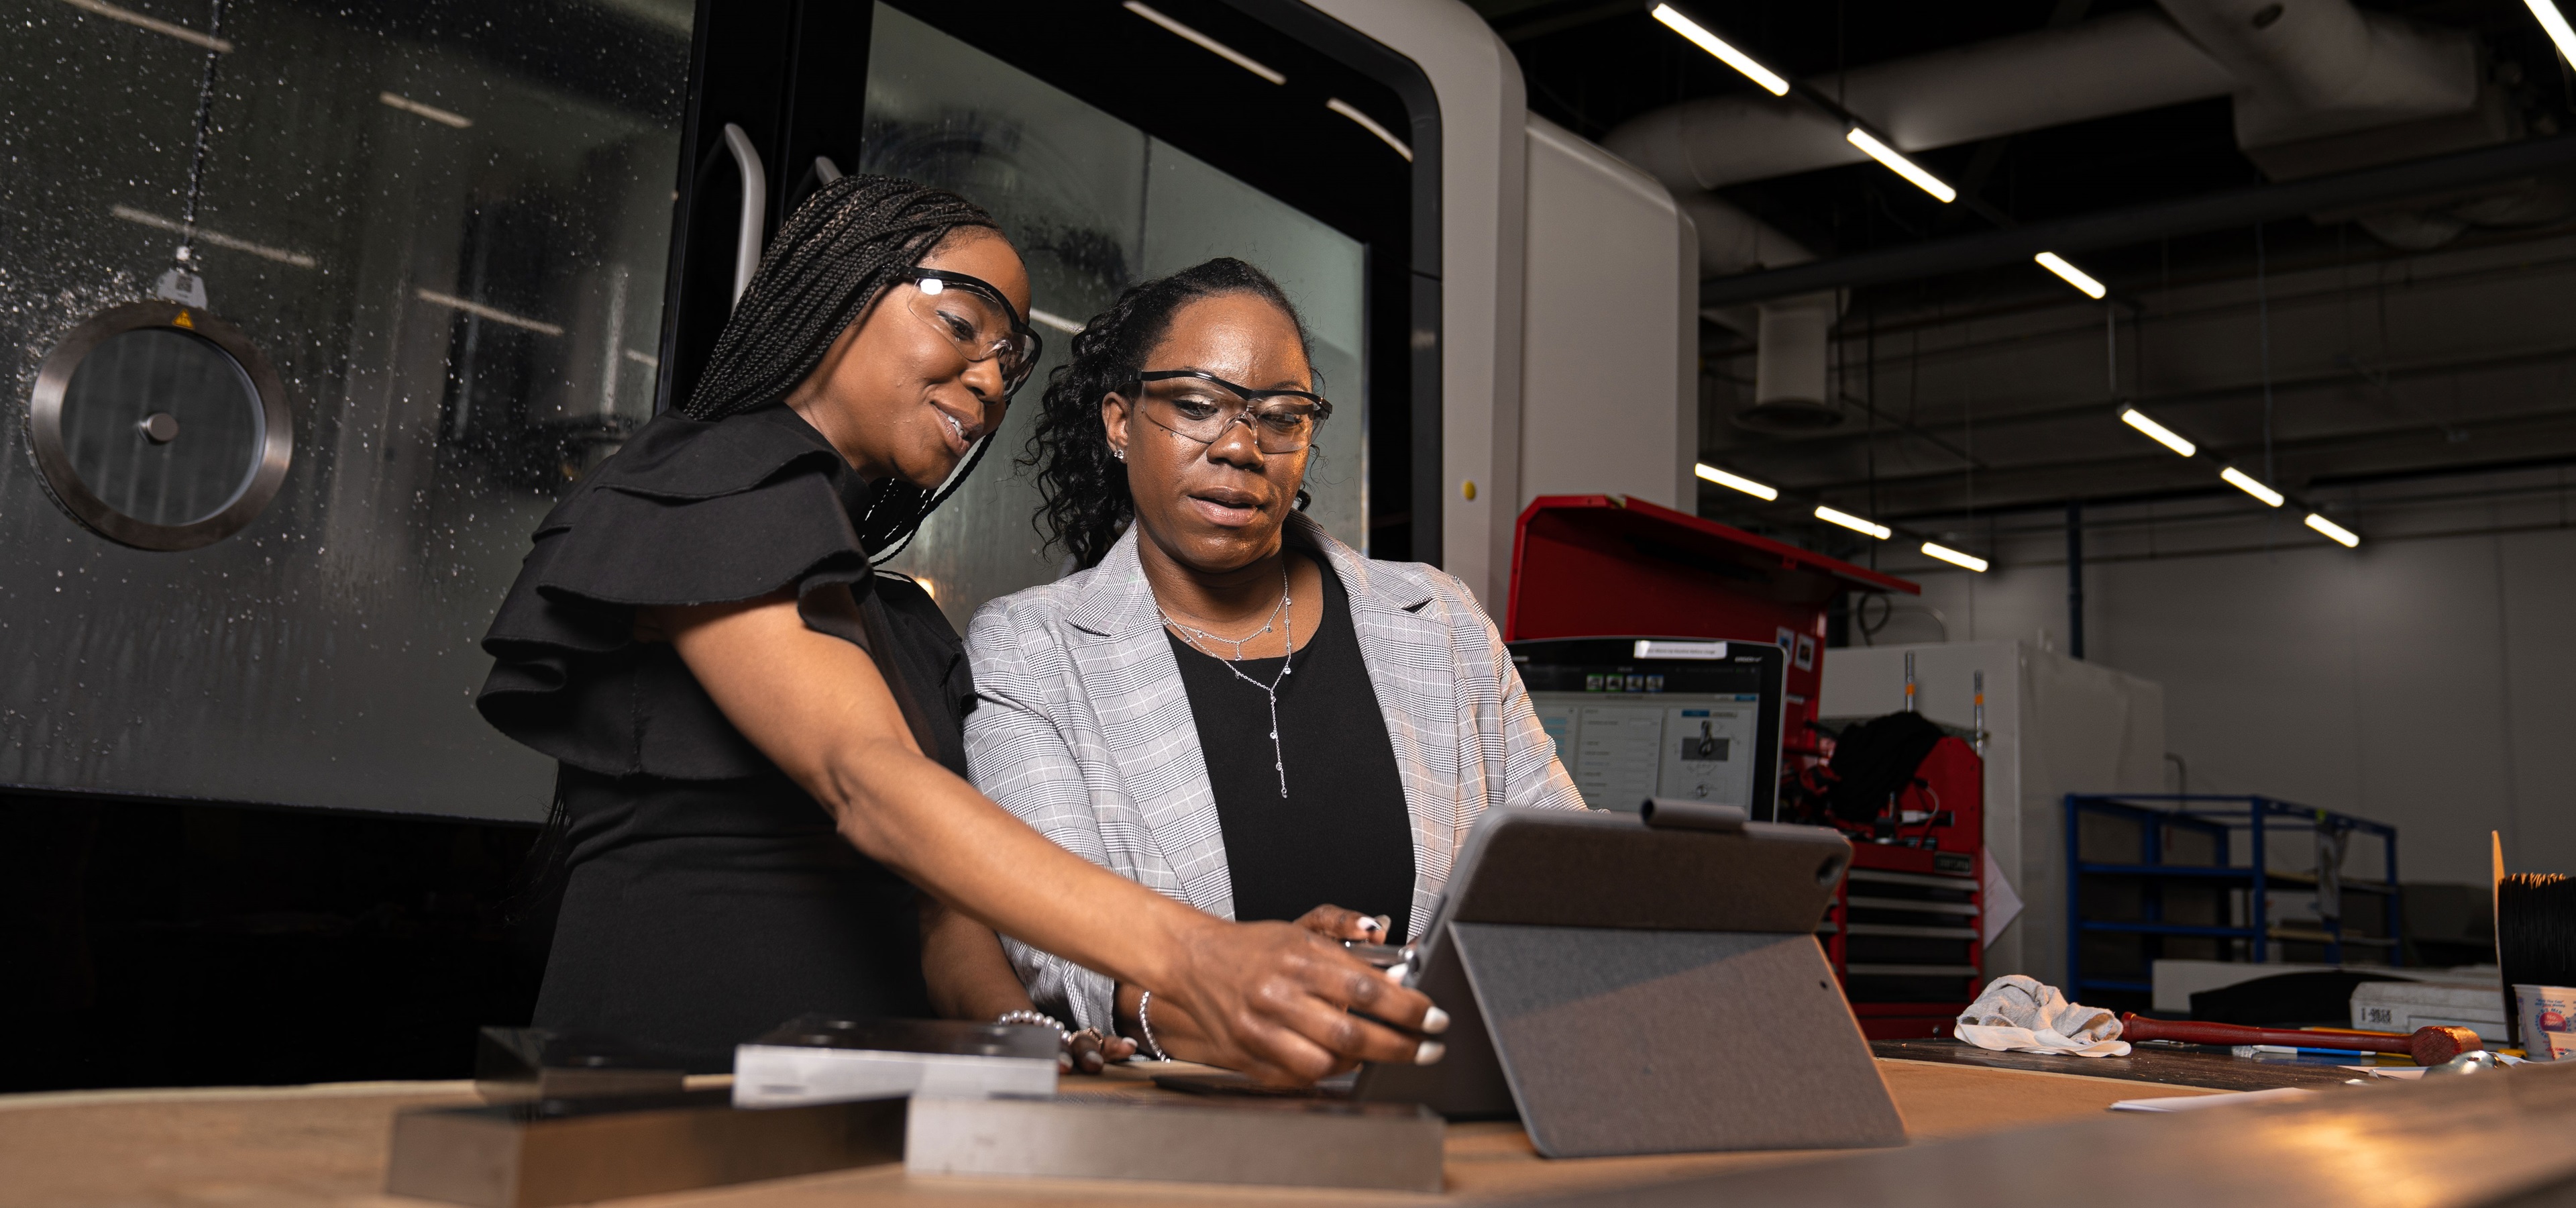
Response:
column 324, row 1147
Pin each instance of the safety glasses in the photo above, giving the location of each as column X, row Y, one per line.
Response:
column 978, row 320
column 1201, row 406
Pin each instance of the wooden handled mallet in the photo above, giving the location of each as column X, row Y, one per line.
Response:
column 2428, row 1045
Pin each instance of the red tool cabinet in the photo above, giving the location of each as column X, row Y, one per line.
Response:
column 1905, row 930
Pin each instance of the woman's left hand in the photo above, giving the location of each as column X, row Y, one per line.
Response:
column 1335, row 923
column 1092, row 1052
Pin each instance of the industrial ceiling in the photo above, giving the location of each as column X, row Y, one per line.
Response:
column 2336, row 240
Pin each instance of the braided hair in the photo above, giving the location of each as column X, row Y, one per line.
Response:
column 833, row 256
column 1085, row 489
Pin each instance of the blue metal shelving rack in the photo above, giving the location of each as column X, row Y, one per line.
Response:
column 2217, row 817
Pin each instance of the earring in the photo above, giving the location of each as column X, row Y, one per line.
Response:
column 1120, row 454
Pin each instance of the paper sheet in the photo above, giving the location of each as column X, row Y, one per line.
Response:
column 2193, row 1103
column 2002, row 904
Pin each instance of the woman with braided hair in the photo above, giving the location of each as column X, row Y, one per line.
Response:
column 1229, row 706
column 761, row 772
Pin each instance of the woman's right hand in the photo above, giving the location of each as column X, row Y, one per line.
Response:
column 1336, row 923
column 1286, row 1005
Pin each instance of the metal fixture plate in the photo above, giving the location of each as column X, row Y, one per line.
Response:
column 273, row 444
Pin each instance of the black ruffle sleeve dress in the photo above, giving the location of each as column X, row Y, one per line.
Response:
column 707, row 898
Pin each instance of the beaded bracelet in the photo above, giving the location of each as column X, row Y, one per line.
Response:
column 1145, row 1028
column 1064, row 1035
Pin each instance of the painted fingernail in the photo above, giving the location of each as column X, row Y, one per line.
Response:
column 1430, row 1053
column 1435, row 1021
column 1397, row 973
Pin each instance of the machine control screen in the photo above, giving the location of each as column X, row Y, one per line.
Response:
column 1621, row 749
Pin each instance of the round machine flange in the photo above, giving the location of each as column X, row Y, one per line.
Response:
column 159, row 426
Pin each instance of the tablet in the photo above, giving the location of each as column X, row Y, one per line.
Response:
column 1572, row 933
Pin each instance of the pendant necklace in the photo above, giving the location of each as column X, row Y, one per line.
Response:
column 1284, row 610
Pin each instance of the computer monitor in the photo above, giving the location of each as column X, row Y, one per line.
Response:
column 1661, row 717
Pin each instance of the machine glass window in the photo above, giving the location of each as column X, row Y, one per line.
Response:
column 426, row 260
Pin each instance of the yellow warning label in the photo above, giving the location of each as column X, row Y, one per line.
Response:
column 183, row 321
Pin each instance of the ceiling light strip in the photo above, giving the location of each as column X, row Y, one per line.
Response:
column 480, row 311
column 2555, row 23
column 2246, row 483
column 2074, row 276
column 1854, row 523
column 212, row 238
column 1900, row 165
column 1835, row 516
column 1211, row 45
column 443, row 117
column 1346, row 109
column 1954, row 557
column 1048, row 318
column 1699, row 36
column 2161, row 434
column 2334, row 532
column 155, row 24
column 1736, row 482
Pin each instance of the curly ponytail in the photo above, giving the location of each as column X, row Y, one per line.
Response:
column 1085, row 489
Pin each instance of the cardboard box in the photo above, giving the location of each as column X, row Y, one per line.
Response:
column 2403, row 1006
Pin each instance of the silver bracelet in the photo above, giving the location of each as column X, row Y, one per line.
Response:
column 1064, row 1035
column 1145, row 1027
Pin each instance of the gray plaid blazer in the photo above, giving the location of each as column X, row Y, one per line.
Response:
column 1083, row 730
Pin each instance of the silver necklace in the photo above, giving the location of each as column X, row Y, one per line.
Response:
column 1284, row 610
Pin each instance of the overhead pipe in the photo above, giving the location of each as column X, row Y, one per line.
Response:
column 2111, row 65
column 2138, row 224
column 2297, row 71
column 2322, row 67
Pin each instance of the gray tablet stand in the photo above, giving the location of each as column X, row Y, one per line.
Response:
column 1644, row 1023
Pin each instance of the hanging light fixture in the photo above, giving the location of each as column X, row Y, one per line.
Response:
column 1911, row 171
column 2158, row 432
column 2334, row 532
column 2072, row 275
column 1698, row 36
column 1736, row 482
column 1854, row 523
column 2248, row 484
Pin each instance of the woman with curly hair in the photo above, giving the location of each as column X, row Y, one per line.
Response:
column 761, row 766
column 1229, row 706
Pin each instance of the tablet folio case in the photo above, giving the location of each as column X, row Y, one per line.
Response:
column 1630, row 990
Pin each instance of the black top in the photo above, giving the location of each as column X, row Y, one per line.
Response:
column 1342, row 835
column 709, row 899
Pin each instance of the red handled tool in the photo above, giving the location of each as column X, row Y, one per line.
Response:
column 2428, row 1046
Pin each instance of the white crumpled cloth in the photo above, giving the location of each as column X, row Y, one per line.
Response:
column 2020, row 1014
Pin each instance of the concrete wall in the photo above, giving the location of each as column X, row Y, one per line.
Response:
column 2420, row 681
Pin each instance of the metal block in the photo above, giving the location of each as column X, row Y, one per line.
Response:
column 555, row 1151
column 516, row 1065
column 1286, row 1143
column 820, row 1060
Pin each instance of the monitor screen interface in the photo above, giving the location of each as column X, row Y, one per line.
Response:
column 1621, row 749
